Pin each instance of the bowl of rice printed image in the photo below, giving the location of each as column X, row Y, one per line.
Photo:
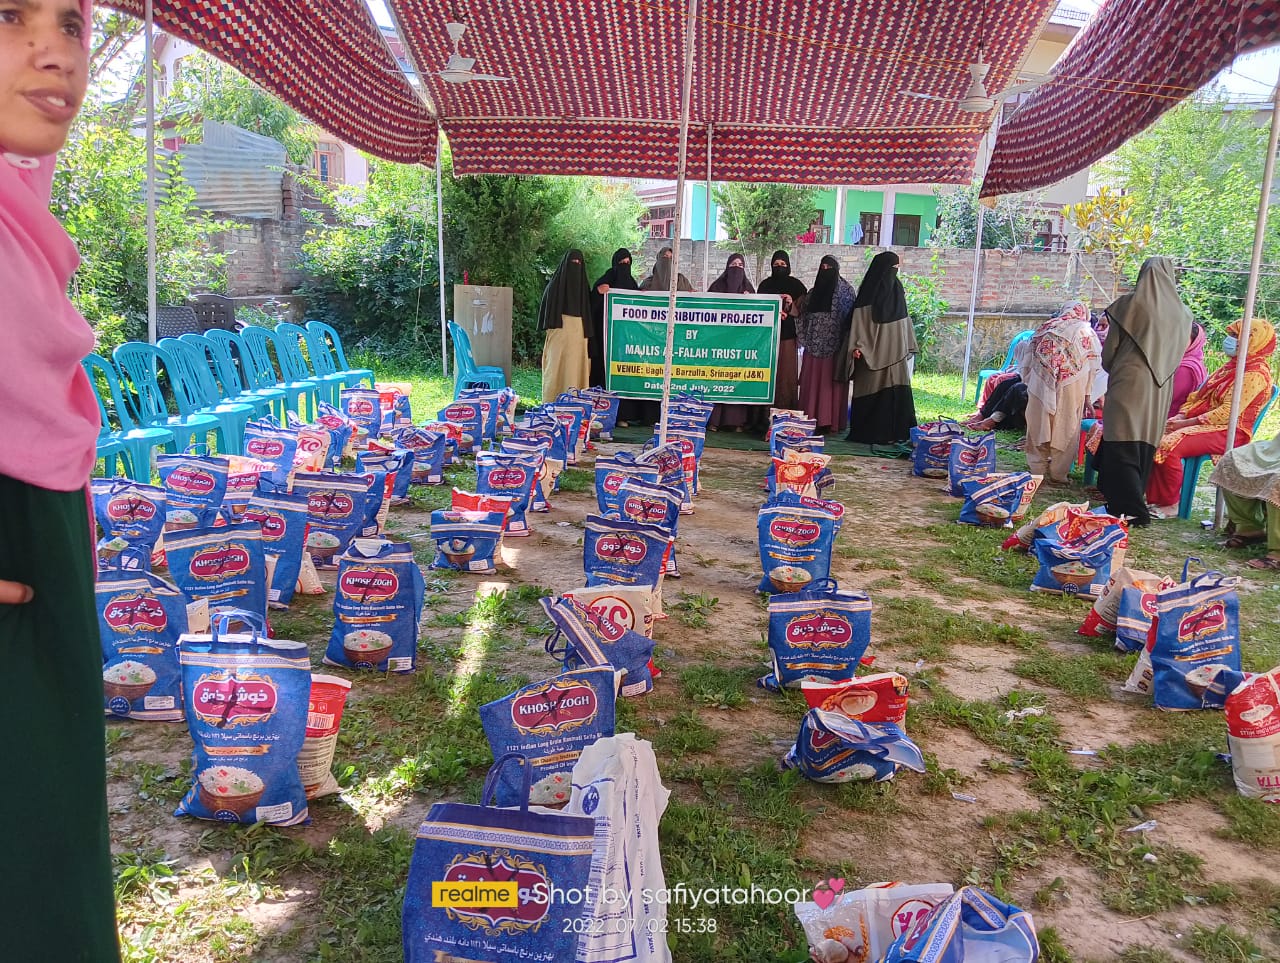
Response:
column 180, row 520
column 128, row 680
column 365, row 647
column 1073, row 574
column 110, row 548
column 322, row 545
column 789, row 578
column 458, row 550
column 992, row 515
column 229, row 789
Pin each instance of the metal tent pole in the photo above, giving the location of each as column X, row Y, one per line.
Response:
column 1251, row 289
column 707, row 229
column 150, row 93
column 690, row 22
column 444, row 354
column 973, row 303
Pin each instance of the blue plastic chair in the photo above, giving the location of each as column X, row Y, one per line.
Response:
column 258, row 343
column 226, row 379
column 132, row 442
column 141, row 364
column 226, row 348
column 325, row 348
column 290, row 340
column 1191, row 466
column 466, row 374
column 986, row 373
column 194, row 369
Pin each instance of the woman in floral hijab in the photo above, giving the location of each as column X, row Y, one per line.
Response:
column 1059, row 368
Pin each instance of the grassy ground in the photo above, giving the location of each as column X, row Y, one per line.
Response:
column 1048, row 830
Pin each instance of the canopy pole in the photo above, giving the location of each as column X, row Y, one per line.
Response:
column 150, row 93
column 708, row 230
column 690, row 22
column 973, row 303
column 444, row 353
column 1251, row 289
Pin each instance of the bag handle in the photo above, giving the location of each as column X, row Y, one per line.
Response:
column 1186, row 565
column 191, row 450
column 219, row 621
column 491, row 780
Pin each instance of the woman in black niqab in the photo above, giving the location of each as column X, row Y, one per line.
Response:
column 562, row 315
column 618, row 276
column 786, row 376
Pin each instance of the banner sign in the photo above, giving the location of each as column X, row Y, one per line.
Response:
column 725, row 345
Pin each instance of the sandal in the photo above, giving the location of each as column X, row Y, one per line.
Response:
column 1243, row 539
column 1268, row 563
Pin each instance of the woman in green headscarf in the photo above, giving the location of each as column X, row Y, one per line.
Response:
column 1149, row 332
column 1249, row 477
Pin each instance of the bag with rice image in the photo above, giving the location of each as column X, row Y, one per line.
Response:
column 865, row 922
column 470, row 415
column 796, row 537
column 630, row 606
column 490, row 403
column 592, row 640
column 509, row 476
column 140, row 618
column 226, row 565
column 196, row 485
column 620, row 552
column 245, row 698
column 610, row 474
column 818, row 634
column 971, row 925
column 428, row 449
column 831, row 747
column 931, row 448
column 1081, row 569
column 283, row 520
column 669, row 460
column 363, row 407
column 131, row 516
column 336, row 511
column 653, row 504
column 550, row 723
column 396, row 466
column 1253, row 732
column 992, row 500
column 971, row 456
column 467, row 541
column 377, row 605
column 881, row 697
column 461, row 843
column 604, row 411
column 267, row 442
column 1195, row 634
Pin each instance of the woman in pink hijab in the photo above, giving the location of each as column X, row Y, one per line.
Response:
column 55, row 814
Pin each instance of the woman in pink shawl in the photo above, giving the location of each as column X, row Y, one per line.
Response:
column 1059, row 369
column 55, row 814
column 1191, row 370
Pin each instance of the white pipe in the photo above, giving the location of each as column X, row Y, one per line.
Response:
column 150, row 93
column 973, row 303
column 444, row 354
column 690, row 22
column 1251, row 289
column 707, row 227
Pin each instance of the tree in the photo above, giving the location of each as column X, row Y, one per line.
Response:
column 1194, row 178
column 1106, row 223
column 1008, row 225
column 761, row 218
column 98, row 194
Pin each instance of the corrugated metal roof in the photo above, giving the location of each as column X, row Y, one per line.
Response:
column 235, row 171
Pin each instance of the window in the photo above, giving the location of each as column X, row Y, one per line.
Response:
column 870, row 228
column 328, row 162
column 177, row 71
column 906, row 230
column 162, row 82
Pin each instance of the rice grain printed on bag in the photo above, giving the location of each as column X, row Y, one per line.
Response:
column 796, row 536
column 336, row 511
column 245, row 698
column 140, row 617
column 131, row 516
column 620, row 552
column 377, row 605
column 324, row 719
column 550, row 723
column 196, row 485
column 467, row 541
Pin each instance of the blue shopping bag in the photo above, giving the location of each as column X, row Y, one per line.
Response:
column 470, row 846
column 971, row 926
column 819, row 634
column 1196, row 635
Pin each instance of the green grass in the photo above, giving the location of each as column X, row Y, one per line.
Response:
column 1222, row 944
column 1082, row 676
column 695, row 610
column 718, row 687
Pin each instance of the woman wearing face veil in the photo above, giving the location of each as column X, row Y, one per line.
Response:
column 732, row 281
column 1148, row 336
column 792, row 291
column 565, row 353
column 618, row 276
column 881, row 344
column 648, row 412
column 824, row 392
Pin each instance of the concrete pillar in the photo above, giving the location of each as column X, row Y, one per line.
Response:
column 886, row 218
column 837, row 230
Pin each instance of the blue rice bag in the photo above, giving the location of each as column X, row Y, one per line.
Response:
column 131, row 516
column 226, row 565
column 377, row 605
column 508, row 476
column 1195, row 635
column 818, row 635
column 538, row 425
column 572, row 419
column 536, row 450
column 590, row 639
column 470, row 415
column 970, row 457
column 268, row 442
column 429, row 452
column 336, row 511
column 610, row 474
column 467, row 541
column 363, row 407
column 831, row 747
column 396, row 465
column 376, row 498
column 550, row 722
column 140, row 617
column 245, row 698
column 283, row 520
column 669, row 460
column 1077, row 568
column 653, row 504
column 796, row 537
column 196, row 485
column 340, row 429
column 604, row 411
column 491, row 408
column 993, row 500
column 1133, row 620
column 931, row 448
column 692, row 441
column 619, row 552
